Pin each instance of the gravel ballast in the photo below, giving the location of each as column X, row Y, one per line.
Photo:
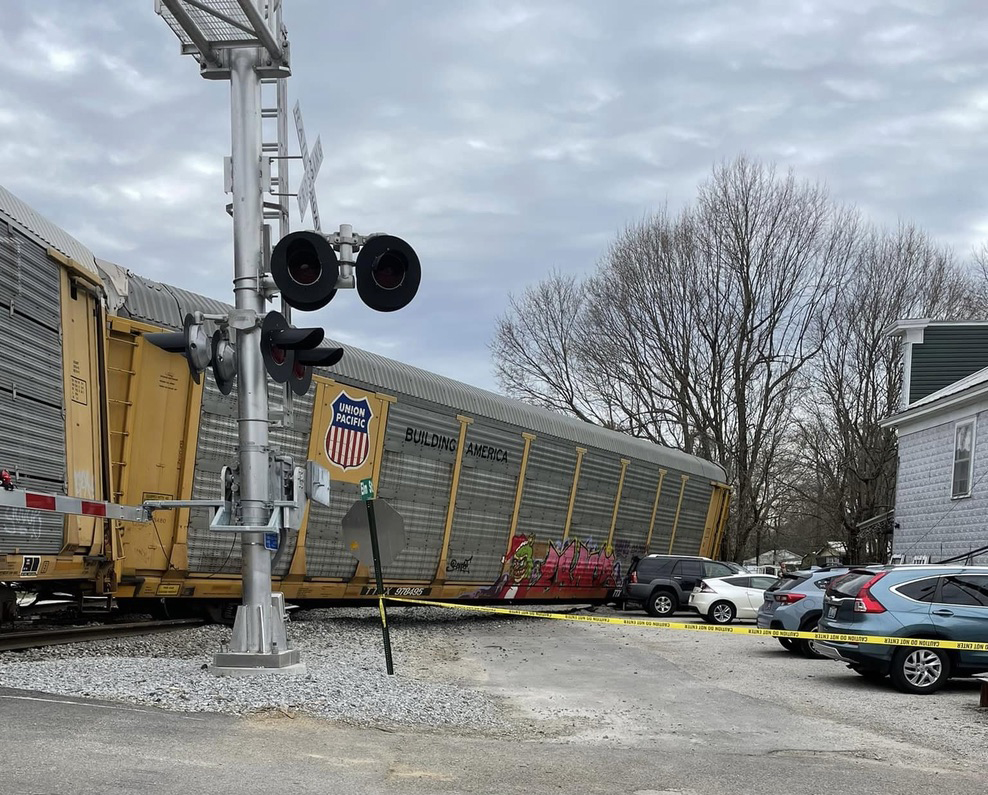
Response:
column 345, row 675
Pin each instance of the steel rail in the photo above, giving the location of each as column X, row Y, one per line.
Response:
column 55, row 636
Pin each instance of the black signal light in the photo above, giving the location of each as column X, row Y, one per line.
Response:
column 306, row 269
column 192, row 342
column 388, row 273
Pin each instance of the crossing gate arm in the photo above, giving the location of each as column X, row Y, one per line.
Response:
column 72, row 506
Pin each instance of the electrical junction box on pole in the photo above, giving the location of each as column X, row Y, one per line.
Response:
column 390, row 532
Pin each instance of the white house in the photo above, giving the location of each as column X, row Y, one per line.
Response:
column 774, row 557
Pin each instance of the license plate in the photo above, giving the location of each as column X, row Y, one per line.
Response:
column 832, row 611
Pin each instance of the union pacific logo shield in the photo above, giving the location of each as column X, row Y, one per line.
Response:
column 348, row 440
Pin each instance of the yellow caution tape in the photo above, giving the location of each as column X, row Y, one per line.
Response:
column 728, row 629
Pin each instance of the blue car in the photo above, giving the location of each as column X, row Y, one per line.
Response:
column 935, row 602
column 795, row 602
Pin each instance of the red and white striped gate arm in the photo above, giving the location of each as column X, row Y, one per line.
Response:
column 56, row 503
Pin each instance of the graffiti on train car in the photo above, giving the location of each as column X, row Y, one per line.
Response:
column 625, row 550
column 538, row 569
column 462, row 565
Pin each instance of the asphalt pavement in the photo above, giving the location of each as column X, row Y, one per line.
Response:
column 591, row 710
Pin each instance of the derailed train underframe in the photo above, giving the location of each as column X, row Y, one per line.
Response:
column 501, row 500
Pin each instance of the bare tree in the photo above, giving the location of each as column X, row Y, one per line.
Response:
column 698, row 328
column 773, row 252
column 536, row 347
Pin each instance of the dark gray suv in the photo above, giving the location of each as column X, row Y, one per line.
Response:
column 662, row 583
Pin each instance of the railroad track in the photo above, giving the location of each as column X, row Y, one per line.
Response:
column 54, row 636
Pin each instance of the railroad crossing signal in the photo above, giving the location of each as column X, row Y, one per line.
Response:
column 388, row 273
column 200, row 350
column 307, row 270
column 224, row 361
column 310, row 166
column 192, row 342
column 290, row 353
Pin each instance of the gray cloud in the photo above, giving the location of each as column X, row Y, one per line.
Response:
column 501, row 139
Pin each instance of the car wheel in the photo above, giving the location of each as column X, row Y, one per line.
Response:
column 806, row 647
column 868, row 673
column 721, row 613
column 788, row 644
column 661, row 604
column 919, row 671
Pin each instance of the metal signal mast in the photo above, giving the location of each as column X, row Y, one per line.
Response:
column 245, row 42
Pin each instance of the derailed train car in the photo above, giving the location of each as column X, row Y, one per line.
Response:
column 501, row 500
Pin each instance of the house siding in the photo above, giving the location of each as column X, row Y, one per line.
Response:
column 929, row 521
column 947, row 354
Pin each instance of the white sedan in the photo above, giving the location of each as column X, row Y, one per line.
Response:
column 722, row 599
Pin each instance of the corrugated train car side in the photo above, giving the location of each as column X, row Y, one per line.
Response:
column 52, row 408
column 500, row 500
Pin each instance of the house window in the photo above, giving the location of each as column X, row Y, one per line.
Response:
column 963, row 459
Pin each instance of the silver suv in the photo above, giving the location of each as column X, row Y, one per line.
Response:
column 795, row 602
column 662, row 583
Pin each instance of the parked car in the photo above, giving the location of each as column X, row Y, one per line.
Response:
column 938, row 602
column 722, row 599
column 737, row 568
column 662, row 583
column 795, row 602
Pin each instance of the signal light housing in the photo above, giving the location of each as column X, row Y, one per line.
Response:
column 290, row 353
column 388, row 273
column 306, row 269
column 224, row 362
column 192, row 342
column 305, row 360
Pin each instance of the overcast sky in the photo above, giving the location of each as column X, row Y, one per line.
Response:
column 501, row 139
